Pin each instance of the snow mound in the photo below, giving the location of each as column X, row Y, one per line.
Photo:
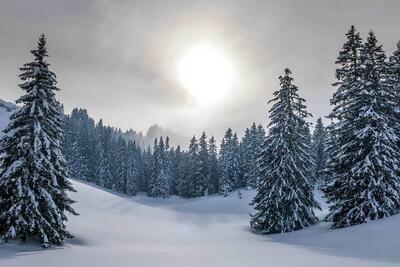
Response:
column 115, row 230
column 6, row 109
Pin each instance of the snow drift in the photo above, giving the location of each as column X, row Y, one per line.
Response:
column 115, row 230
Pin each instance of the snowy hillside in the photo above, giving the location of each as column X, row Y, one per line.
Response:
column 6, row 109
column 118, row 231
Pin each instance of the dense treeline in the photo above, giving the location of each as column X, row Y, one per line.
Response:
column 106, row 156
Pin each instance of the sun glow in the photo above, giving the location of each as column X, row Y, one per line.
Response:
column 206, row 72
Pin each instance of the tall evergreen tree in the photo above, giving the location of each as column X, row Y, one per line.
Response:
column 33, row 175
column 392, row 79
column 192, row 187
column 229, row 163
column 284, row 200
column 133, row 160
column 159, row 185
column 364, row 165
column 319, row 150
column 213, row 181
column 103, row 148
column 250, row 148
column 204, row 167
column 147, row 163
column 121, row 179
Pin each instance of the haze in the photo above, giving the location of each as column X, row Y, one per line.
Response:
column 120, row 59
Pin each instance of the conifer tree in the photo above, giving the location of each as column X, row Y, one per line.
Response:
column 176, row 161
column 159, row 184
column 393, row 79
column 204, row 167
column 261, row 134
column 33, row 173
column 147, row 163
column 229, row 163
column 250, row 148
column 121, row 179
column 364, row 165
column 192, row 187
column 284, row 200
column 213, row 181
column 103, row 166
column 319, row 150
column 133, row 169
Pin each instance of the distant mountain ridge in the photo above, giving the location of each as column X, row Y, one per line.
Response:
column 155, row 131
column 143, row 140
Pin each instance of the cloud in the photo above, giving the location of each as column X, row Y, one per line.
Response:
column 118, row 58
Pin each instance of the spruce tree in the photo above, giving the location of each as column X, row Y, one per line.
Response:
column 229, row 163
column 192, row 185
column 250, row 149
column 180, row 179
column 33, row 173
column 284, row 200
column 103, row 151
column 159, row 185
column 133, row 159
column 147, row 163
column 364, row 165
column 319, row 150
column 204, row 167
column 393, row 79
column 121, row 178
column 394, row 69
column 213, row 181
column 176, row 160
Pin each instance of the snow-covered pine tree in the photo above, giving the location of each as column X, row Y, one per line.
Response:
column 236, row 162
column 192, row 187
column 121, row 179
column 394, row 67
column 146, row 173
column 68, row 141
column 213, row 181
column 80, row 136
column 204, row 167
column 159, row 184
column 393, row 78
column 177, row 171
column 319, row 150
column 113, row 154
column 260, row 135
column 33, row 175
column 244, row 154
column 366, row 182
column 229, row 163
column 250, row 148
column 284, row 200
column 168, row 154
column 348, row 76
column 133, row 160
column 103, row 151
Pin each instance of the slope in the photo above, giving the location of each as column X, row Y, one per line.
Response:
column 114, row 230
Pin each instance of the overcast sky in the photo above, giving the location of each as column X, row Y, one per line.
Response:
column 118, row 59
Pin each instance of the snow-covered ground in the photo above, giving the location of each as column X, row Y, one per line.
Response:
column 115, row 230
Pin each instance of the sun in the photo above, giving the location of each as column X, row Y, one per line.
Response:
column 206, row 72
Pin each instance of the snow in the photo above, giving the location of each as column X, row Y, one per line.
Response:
column 115, row 230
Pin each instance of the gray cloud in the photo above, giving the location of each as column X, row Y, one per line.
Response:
column 117, row 58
